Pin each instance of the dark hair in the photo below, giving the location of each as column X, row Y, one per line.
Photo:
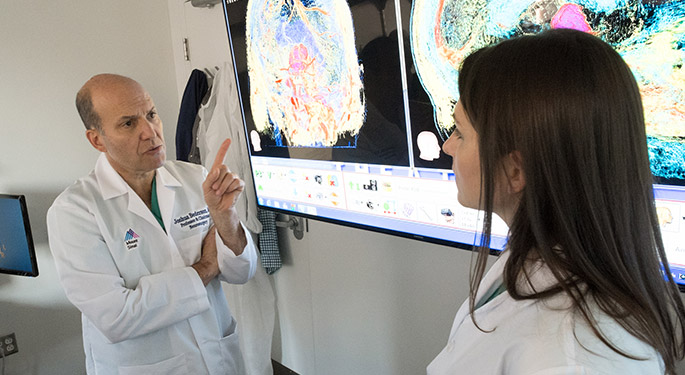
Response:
column 84, row 106
column 570, row 105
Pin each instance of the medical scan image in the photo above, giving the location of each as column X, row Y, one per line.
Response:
column 649, row 35
column 321, row 80
column 304, row 72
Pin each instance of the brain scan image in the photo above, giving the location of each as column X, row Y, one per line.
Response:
column 305, row 84
column 649, row 35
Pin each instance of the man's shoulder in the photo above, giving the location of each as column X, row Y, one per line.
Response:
column 80, row 192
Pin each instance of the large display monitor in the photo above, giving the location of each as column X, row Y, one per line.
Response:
column 17, row 253
column 346, row 104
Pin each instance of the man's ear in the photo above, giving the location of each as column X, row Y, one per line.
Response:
column 513, row 168
column 95, row 139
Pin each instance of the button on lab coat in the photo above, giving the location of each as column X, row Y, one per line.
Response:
column 144, row 309
column 532, row 337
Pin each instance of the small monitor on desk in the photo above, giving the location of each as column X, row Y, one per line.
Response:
column 17, row 253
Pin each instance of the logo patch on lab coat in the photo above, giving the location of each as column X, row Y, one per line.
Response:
column 193, row 219
column 131, row 239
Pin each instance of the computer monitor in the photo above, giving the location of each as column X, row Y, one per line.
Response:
column 17, row 253
column 346, row 104
column 325, row 110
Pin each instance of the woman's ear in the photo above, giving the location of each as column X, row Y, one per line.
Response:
column 513, row 169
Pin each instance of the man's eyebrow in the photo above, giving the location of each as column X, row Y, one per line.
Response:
column 131, row 117
column 126, row 118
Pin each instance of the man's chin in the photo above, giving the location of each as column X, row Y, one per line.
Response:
column 161, row 162
column 156, row 162
column 160, row 157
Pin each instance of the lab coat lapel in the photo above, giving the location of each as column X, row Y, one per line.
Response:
column 138, row 207
column 494, row 275
column 113, row 185
column 166, row 195
column 110, row 183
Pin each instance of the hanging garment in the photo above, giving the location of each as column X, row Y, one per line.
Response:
column 194, row 156
column 252, row 303
column 254, row 306
column 195, row 91
column 220, row 118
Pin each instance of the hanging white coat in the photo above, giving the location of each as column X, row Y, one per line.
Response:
column 144, row 309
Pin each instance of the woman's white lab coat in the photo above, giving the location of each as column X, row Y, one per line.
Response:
column 531, row 337
column 144, row 309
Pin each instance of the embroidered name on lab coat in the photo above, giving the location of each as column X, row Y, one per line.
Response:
column 131, row 239
column 193, row 219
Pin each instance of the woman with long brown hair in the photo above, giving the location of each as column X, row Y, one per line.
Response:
column 550, row 136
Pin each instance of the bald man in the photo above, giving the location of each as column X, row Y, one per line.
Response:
column 142, row 243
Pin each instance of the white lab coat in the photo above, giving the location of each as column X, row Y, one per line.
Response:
column 221, row 118
column 253, row 303
column 144, row 309
column 536, row 338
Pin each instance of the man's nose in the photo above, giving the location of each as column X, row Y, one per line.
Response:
column 149, row 130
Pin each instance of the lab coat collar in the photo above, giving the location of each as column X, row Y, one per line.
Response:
column 166, row 195
column 539, row 278
column 110, row 182
column 113, row 185
column 165, row 178
column 494, row 277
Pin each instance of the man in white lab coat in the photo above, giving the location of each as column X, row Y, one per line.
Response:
column 142, row 243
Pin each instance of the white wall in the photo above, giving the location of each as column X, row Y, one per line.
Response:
column 359, row 302
column 48, row 49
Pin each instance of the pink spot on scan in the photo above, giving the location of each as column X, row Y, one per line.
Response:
column 298, row 58
column 570, row 16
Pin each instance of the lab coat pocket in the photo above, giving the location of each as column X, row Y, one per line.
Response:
column 231, row 355
column 172, row 366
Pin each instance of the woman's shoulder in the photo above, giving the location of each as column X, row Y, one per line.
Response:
column 590, row 350
column 554, row 338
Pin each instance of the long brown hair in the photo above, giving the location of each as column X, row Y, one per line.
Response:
column 570, row 105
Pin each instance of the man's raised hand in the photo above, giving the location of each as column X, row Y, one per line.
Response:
column 222, row 188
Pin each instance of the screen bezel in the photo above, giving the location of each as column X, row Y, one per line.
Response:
column 29, row 238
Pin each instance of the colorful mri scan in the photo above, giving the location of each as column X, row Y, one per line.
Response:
column 304, row 74
column 649, row 35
